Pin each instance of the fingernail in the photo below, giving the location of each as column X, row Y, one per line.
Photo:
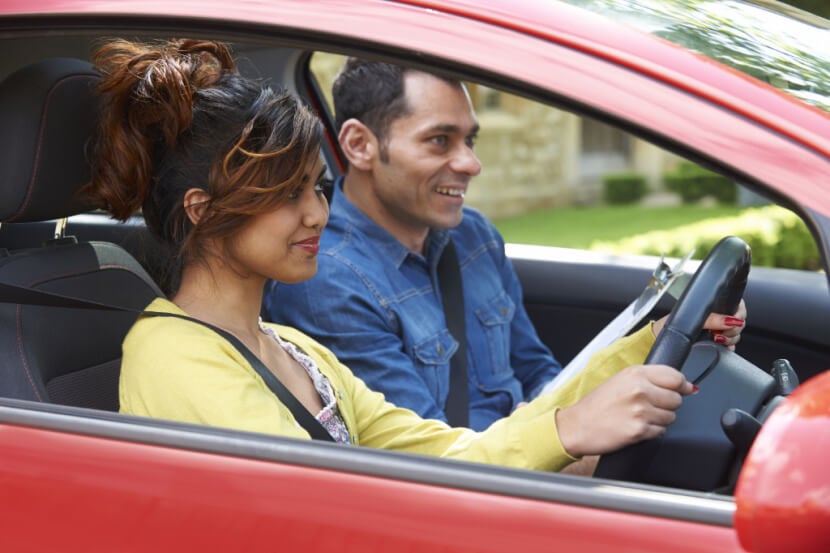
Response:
column 720, row 339
column 733, row 321
column 695, row 389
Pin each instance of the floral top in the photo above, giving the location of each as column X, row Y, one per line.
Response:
column 329, row 416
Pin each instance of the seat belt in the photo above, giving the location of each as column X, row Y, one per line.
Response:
column 12, row 293
column 457, row 408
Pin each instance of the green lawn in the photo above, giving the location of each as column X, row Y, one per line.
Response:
column 577, row 227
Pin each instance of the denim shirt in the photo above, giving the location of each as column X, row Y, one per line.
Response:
column 374, row 303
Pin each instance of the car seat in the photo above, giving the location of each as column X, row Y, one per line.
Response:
column 54, row 354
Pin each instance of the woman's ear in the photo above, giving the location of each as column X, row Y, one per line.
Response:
column 359, row 144
column 195, row 203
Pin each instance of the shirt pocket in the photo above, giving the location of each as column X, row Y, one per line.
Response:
column 432, row 356
column 495, row 318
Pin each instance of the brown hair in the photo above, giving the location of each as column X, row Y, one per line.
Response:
column 176, row 116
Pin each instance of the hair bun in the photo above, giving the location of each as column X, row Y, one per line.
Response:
column 154, row 84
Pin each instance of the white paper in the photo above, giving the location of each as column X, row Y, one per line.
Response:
column 663, row 280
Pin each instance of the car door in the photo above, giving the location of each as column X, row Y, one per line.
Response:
column 82, row 480
column 74, row 480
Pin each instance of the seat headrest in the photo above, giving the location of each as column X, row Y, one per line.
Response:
column 48, row 112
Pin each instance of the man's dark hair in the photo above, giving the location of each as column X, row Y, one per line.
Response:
column 373, row 93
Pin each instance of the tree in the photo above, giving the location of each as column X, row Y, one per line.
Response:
column 755, row 41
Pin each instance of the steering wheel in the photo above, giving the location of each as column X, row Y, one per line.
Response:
column 694, row 452
column 717, row 286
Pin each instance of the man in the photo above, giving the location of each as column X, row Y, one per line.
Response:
column 409, row 137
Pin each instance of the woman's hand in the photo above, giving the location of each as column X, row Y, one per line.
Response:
column 639, row 402
column 636, row 404
column 725, row 329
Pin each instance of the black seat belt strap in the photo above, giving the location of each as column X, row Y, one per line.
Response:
column 12, row 293
column 302, row 415
column 452, row 299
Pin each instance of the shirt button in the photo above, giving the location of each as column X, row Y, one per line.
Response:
column 503, row 310
column 439, row 349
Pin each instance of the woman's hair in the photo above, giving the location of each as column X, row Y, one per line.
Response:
column 176, row 116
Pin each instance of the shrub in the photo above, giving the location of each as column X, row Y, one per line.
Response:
column 623, row 188
column 694, row 182
column 777, row 236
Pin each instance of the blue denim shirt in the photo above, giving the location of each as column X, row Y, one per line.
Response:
column 374, row 304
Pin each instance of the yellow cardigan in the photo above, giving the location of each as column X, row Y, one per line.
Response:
column 183, row 371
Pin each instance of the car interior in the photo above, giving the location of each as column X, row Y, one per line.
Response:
column 49, row 107
column 60, row 351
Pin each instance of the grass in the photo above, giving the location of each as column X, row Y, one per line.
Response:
column 577, row 227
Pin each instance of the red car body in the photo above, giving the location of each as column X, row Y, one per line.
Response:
column 72, row 480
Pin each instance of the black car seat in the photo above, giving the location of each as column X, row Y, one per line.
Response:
column 56, row 354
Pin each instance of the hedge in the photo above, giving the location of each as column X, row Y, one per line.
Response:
column 777, row 236
column 693, row 183
column 623, row 188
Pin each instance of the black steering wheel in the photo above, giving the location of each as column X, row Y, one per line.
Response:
column 695, row 453
column 717, row 286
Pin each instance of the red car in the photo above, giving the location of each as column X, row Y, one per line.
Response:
column 747, row 469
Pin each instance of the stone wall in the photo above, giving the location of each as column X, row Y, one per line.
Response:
column 527, row 154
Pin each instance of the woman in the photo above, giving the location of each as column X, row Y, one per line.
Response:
column 228, row 174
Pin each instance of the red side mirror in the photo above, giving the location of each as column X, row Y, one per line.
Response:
column 783, row 493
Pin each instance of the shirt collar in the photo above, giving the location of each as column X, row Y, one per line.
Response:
column 342, row 209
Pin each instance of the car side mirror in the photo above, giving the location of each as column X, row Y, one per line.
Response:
column 783, row 493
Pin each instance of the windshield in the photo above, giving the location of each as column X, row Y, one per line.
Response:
column 791, row 53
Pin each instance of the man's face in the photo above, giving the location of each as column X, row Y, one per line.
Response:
column 421, row 181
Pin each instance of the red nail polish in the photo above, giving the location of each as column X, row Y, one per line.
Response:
column 720, row 339
column 695, row 388
column 733, row 321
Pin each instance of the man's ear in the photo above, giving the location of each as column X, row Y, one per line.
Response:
column 359, row 144
column 195, row 203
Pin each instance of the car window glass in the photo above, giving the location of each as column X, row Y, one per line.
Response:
column 554, row 178
column 785, row 47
